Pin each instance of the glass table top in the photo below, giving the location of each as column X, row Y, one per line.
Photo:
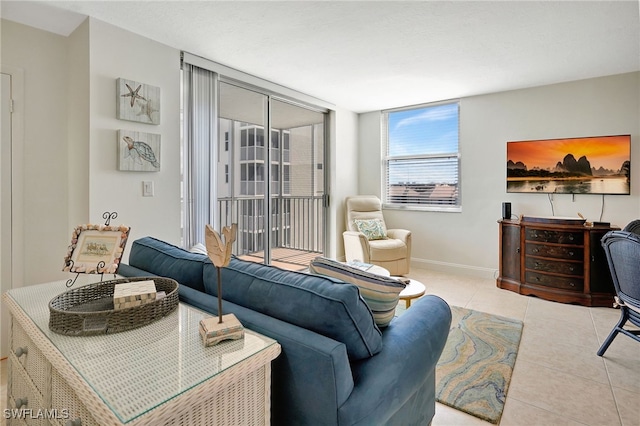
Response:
column 137, row 370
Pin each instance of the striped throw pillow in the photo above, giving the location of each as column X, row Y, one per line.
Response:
column 380, row 293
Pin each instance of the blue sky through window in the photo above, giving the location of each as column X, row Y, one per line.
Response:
column 427, row 131
column 424, row 131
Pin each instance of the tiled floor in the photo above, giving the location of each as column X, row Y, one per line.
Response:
column 558, row 378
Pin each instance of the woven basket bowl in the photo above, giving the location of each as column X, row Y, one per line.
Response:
column 88, row 310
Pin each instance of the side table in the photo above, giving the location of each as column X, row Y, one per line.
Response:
column 159, row 374
column 413, row 290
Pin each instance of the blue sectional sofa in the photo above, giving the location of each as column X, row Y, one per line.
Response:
column 336, row 366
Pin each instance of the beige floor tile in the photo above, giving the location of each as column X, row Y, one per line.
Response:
column 628, row 405
column 561, row 312
column 518, row 413
column 447, row 416
column 566, row 395
column 623, row 365
column 3, row 388
column 557, row 331
column 455, row 290
column 499, row 302
column 571, row 359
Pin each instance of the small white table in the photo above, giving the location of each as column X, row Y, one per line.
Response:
column 412, row 291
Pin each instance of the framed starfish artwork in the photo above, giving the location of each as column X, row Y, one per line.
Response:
column 138, row 151
column 137, row 101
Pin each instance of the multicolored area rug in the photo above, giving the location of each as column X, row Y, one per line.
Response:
column 475, row 368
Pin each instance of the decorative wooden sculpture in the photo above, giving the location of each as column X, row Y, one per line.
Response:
column 219, row 251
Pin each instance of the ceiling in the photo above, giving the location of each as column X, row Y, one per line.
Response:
column 372, row 55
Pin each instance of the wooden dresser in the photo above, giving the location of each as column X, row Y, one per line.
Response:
column 555, row 259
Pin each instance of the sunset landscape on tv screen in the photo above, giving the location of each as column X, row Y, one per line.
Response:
column 591, row 165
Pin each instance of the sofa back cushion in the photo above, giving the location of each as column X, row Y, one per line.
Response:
column 379, row 292
column 166, row 260
column 313, row 302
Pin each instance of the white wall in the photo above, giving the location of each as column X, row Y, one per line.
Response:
column 69, row 172
column 70, row 168
column 116, row 53
column 343, row 174
column 43, row 172
column 468, row 241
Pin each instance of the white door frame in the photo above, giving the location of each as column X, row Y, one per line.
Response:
column 12, row 271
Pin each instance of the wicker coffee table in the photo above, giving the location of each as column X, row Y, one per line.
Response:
column 157, row 374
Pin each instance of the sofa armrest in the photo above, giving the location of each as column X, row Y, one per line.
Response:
column 356, row 246
column 311, row 377
column 413, row 344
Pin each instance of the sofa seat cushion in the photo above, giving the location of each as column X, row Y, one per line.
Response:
column 379, row 292
column 167, row 260
column 387, row 250
column 310, row 301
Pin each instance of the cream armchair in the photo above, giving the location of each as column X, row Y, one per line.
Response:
column 392, row 253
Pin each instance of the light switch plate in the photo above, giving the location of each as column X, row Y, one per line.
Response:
column 147, row 188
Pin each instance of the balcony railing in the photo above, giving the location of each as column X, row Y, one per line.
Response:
column 297, row 223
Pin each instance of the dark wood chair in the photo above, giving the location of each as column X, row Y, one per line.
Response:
column 623, row 255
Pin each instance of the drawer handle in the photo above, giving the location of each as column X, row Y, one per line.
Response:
column 21, row 351
column 21, row 401
column 572, row 284
column 570, row 253
column 76, row 422
column 535, row 250
column 570, row 237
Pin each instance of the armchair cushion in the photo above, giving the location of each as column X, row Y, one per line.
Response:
column 373, row 229
column 389, row 249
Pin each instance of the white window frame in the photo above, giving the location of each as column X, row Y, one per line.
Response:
column 386, row 159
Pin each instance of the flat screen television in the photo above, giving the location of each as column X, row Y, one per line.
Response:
column 591, row 165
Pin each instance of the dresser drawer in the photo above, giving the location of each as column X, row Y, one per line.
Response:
column 555, row 266
column 64, row 399
column 30, row 358
column 25, row 401
column 557, row 237
column 565, row 283
column 558, row 252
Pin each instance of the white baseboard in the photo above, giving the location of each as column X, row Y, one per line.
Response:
column 455, row 268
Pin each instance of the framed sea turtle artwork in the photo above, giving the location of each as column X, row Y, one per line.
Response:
column 137, row 101
column 138, row 151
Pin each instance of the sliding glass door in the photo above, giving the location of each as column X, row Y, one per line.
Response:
column 270, row 176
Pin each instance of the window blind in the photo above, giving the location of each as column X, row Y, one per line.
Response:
column 421, row 162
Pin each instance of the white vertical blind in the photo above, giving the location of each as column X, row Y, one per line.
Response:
column 200, row 129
